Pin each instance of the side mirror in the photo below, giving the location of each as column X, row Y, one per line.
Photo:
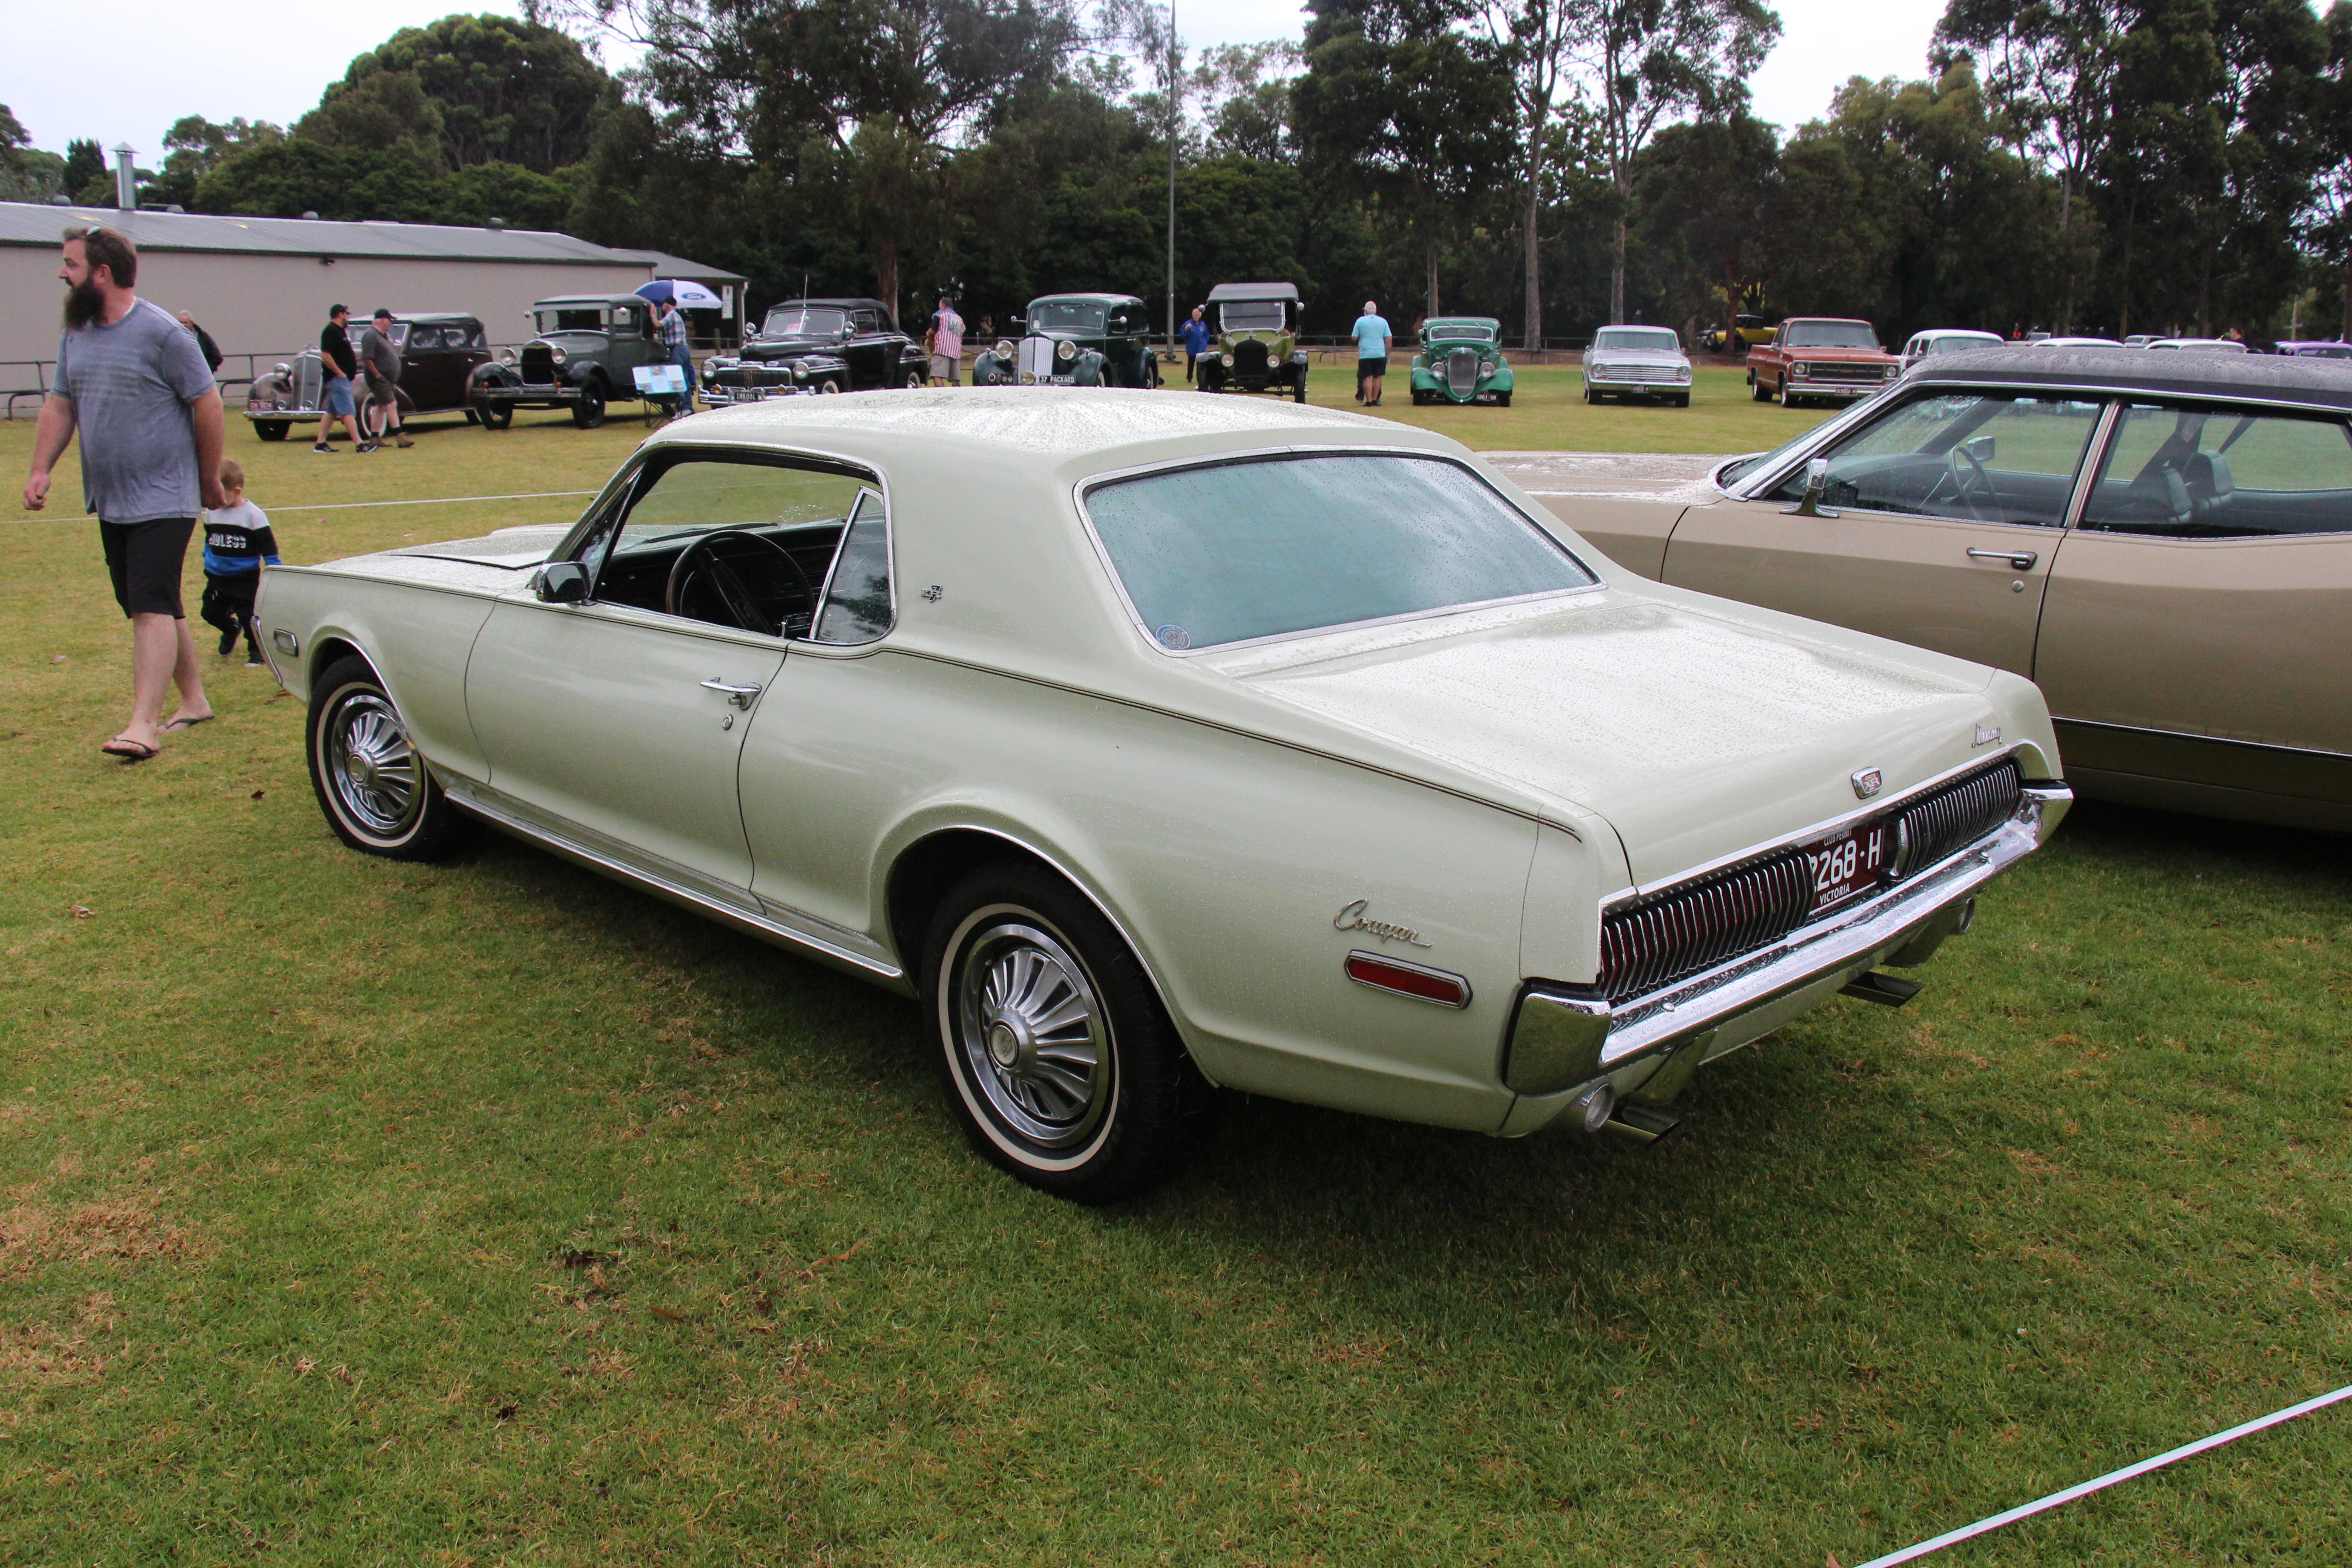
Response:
column 1817, row 483
column 560, row 582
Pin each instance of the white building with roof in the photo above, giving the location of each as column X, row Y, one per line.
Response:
column 261, row 286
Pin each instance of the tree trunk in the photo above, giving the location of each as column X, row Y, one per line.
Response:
column 1534, row 236
column 2344, row 336
column 1617, row 263
column 2066, row 248
column 2123, row 284
column 885, row 275
column 1430, row 309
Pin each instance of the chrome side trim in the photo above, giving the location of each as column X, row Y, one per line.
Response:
column 2265, row 747
column 730, row 907
column 1558, row 1032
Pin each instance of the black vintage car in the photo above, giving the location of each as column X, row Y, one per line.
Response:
column 587, row 353
column 438, row 352
column 1075, row 340
column 815, row 346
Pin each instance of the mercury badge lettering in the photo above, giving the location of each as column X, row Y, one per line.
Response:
column 1351, row 917
column 1868, row 781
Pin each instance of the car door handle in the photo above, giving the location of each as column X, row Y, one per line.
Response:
column 739, row 695
column 2022, row 560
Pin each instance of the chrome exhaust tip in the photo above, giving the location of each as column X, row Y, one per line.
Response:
column 1640, row 1123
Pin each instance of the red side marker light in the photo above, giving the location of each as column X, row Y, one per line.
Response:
column 1408, row 980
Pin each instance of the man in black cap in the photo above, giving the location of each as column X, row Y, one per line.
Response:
column 380, row 361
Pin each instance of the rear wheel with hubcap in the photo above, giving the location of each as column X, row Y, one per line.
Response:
column 1058, row 1058
column 375, row 790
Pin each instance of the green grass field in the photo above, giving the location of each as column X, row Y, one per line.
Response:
column 486, row 1213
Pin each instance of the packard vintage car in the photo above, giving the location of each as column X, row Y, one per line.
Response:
column 1256, row 347
column 1152, row 744
column 585, row 357
column 817, row 346
column 438, row 352
column 1647, row 362
column 2162, row 540
column 1461, row 361
column 1075, row 340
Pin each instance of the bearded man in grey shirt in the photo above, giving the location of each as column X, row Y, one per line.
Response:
column 133, row 380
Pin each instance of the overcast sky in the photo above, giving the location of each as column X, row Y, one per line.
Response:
column 128, row 77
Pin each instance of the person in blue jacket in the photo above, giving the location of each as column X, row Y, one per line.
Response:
column 1196, row 333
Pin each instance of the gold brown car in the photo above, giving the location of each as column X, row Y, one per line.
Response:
column 2163, row 542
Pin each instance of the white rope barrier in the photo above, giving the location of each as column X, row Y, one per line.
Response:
column 2058, row 1499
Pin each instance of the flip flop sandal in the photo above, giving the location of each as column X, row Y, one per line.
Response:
column 189, row 723
column 130, row 751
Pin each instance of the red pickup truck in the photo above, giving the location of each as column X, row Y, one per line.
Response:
column 1824, row 357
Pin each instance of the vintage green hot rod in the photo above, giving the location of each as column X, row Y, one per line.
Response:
column 1461, row 361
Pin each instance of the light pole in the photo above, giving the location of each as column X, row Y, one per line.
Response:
column 1175, row 119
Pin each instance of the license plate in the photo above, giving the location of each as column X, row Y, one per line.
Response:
column 1852, row 864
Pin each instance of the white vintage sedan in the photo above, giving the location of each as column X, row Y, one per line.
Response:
column 1158, row 744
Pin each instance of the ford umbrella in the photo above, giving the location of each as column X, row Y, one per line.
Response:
column 689, row 296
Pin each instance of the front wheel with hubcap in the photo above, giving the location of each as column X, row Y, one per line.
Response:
column 493, row 415
column 375, row 790
column 1058, row 1058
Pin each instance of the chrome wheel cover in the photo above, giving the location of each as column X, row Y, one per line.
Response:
column 371, row 766
column 1032, row 1035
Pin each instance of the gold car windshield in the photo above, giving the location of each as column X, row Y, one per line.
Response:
column 1233, row 551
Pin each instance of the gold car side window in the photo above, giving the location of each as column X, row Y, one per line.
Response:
column 2212, row 471
column 1974, row 456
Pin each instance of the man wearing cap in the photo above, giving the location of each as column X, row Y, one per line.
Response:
column 1372, row 339
column 380, row 361
column 673, row 331
column 339, row 365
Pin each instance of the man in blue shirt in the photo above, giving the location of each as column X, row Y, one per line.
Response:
column 1196, row 333
column 1372, row 340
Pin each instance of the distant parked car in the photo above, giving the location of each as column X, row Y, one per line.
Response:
column 2316, row 348
column 2209, row 345
column 1085, row 340
column 1946, row 341
column 2055, row 343
column 1461, row 361
column 1819, row 359
column 1746, row 332
column 584, row 357
column 438, row 352
column 1626, row 363
column 809, row 346
column 1257, row 341
column 2140, row 339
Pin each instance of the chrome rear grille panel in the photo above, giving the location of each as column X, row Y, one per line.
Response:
column 1957, row 814
column 1683, row 931
column 1661, row 938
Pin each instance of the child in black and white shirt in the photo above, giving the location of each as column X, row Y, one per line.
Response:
column 237, row 540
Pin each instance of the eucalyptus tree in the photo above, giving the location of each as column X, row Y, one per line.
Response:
column 2049, row 68
column 1648, row 63
column 1536, row 37
column 1705, row 197
column 1402, row 106
column 867, row 99
column 2327, row 220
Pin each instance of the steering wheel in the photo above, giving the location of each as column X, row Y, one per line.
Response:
column 741, row 606
column 1974, row 475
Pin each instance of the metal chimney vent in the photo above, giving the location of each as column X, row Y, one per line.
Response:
column 126, row 178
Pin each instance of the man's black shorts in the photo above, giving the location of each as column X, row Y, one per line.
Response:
column 146, row 560
column 1365, row 367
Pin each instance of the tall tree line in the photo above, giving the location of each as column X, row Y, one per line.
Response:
column 2111, row 165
